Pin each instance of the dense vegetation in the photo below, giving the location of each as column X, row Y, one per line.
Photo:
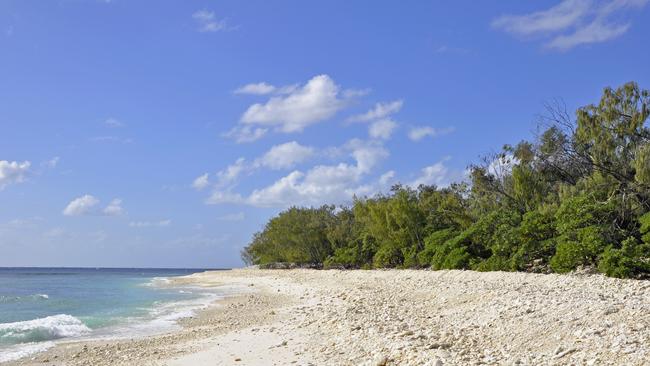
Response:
column 578, row 195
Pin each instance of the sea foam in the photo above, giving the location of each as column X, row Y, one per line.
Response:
column 42, row 329
column 23, row 350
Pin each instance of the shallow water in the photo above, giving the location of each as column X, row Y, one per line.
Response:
column 42, row 305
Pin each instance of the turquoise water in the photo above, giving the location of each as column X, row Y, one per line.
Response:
column 42, row 305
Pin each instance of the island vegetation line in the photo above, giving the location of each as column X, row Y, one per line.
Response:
column 578, row 194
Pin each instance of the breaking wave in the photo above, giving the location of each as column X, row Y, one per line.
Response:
column 42, row 329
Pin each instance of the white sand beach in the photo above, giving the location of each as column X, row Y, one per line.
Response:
column 395, row 317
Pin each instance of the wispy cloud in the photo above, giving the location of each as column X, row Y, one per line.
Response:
column 114, row 123
column 381, row 125
column 284, row 156
column 417, row 133
column 244, row 134
column 560, row 17
column 438, row 174
column 382, row 129
column 52, row 163
column 56, row 232
column 255, row 89
column 380, row 110
column 264, row 88
column 201, row 182
column 88, row 205
column 208, row 22
column 114, row 208
column 239, row 216
column 142, row 224
column 572, row 22
column 444, row 49
column 112, row 139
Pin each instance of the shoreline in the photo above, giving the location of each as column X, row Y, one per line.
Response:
column 215, row 318
column 390, row 317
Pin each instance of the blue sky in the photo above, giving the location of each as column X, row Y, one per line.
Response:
column 165, row 133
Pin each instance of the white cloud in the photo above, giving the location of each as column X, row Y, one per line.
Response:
column 201, row 182
column 295, row 189
column 243, row 134
column 239, row 216
column 263, row 88
column 288, row 89
column 559, row 17
column 114, row 208
column 367, row 154
column 256, row 89
column 81, row 206
column 571, row 22
column 321, row 184
column 387, row 177
column 114, row 123
column 319, row 99
column 379, row 111
column 219, row 197
column 382, row 129
column 438, row 174
column 140, row 224
column 13, row 172
column 208, row 22
column 231, row 173
column 225, row 179
column 417, row 133
column 285, row 156
column 594, row 32
column 89, row 205
column 381, row 126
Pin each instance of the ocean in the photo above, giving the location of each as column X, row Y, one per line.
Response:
column 41, row 306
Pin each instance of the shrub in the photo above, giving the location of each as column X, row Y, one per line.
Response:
column 343, row 257
column 583, row 249
column 388, row 256
column 434, row 242
column 631, row 259
column 645, row 227
column 536, row 239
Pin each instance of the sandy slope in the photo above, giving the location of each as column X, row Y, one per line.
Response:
column 398, row 317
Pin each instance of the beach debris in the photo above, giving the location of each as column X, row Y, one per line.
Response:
column 381, row 360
